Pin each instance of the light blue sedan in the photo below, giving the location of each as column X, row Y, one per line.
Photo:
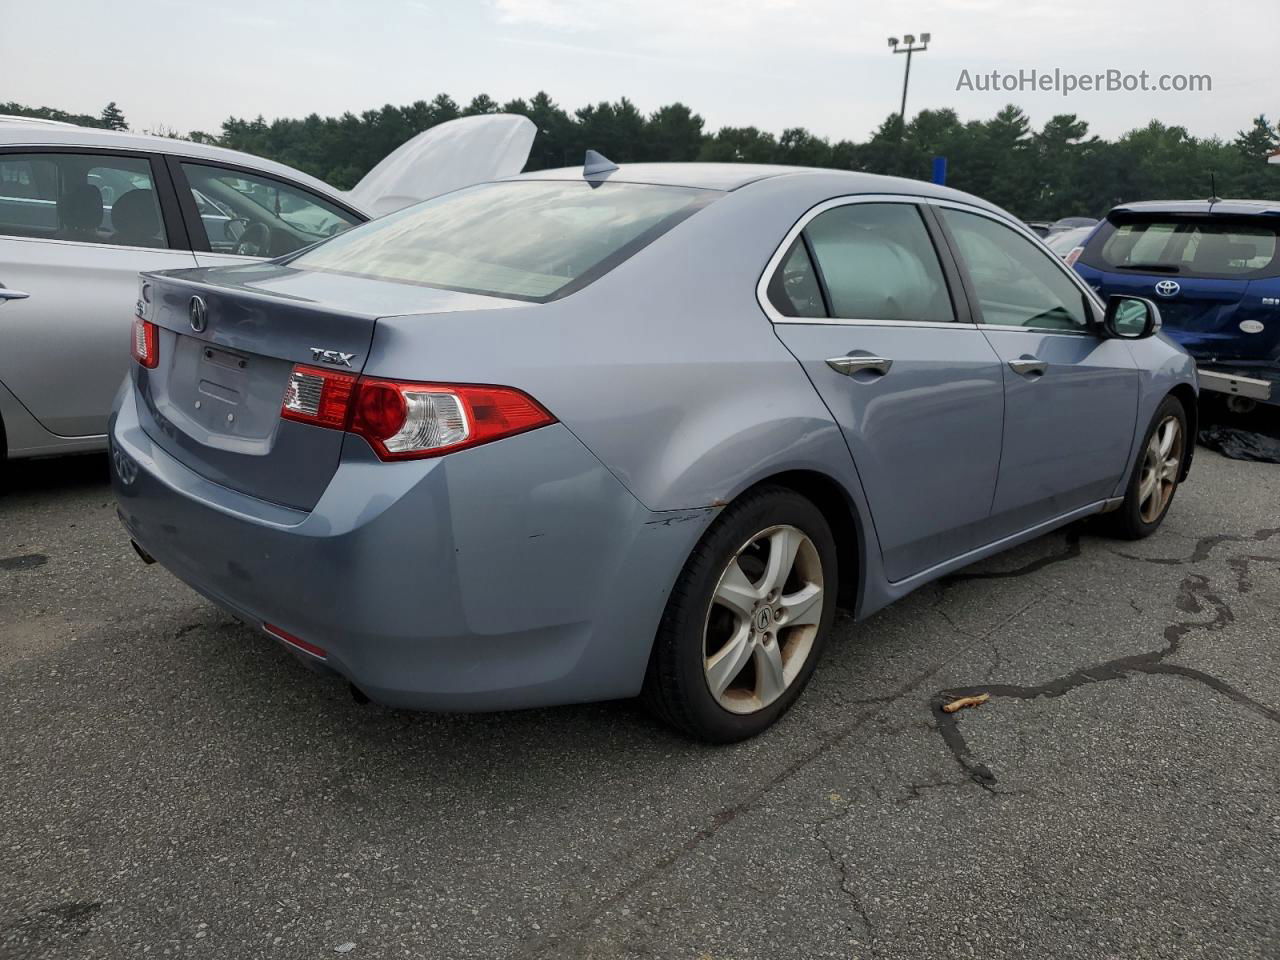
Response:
column 598, row 432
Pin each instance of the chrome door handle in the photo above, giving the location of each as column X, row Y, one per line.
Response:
column 1028, row 366
column 850, row 365
column 7, row 294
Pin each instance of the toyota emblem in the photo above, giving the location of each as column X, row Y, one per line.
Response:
column 1167, row 288
column 198, row 314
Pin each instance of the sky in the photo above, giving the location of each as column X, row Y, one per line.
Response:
column 820, row 64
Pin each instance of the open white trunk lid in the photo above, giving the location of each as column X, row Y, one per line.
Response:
column 447, row 157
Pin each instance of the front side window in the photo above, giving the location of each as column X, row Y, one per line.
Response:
column 256, row 216
column 878, row 263
column 1017, row 283
column 529, row 240
column 88, row 198
column 1192, row 247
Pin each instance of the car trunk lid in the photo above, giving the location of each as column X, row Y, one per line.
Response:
column 229, row 340
column 446, row 157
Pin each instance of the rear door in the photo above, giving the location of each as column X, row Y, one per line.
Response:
column 1070, row 397
column 76, row 228
column 859, row 294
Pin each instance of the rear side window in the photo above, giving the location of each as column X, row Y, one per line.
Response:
column 794, row 290
column 1187, row 246
column 877, row 263
column 87, row 198
column 530, row 240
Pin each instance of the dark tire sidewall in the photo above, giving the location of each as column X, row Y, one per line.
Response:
column 1131, row 520
column 734, row 528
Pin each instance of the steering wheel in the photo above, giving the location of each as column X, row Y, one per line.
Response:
column 255, row 241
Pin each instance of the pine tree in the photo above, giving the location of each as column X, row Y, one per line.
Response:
column 113, row 117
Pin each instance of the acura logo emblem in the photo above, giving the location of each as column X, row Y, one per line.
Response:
column 198, row 314
column 1167, row 288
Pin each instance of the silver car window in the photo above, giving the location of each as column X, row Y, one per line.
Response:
column 794, row 290
column 86, row 198
column 260, row 216
column 1017, row 283
column 878, row 263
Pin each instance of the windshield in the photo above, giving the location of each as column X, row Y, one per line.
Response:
column 531, row 240
column 1190, row 247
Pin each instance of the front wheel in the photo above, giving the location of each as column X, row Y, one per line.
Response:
column 747, row 618
column 1155, row 475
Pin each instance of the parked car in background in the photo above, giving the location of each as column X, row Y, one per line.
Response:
column 1071, row 223
column 82, row 211
column 1212, row 266
column 589, row 433
column 1068, row 243
column 1039, row 227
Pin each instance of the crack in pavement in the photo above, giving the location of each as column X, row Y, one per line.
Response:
column 1070, row 553
column 575, row 920
column 1204, row 547
column 1240, row 566
column 843, row 870
column 1193, row 594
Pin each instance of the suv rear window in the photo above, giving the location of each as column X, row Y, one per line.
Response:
column 532, row 240
column 1187, row 246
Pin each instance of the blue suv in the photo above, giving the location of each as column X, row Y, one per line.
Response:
column 1213, row 268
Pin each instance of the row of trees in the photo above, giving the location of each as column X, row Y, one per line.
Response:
column 111, row 117
column 1057, row 170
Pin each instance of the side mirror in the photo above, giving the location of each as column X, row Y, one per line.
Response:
column 1130, row 318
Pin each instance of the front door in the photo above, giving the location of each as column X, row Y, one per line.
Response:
column 238, row 215
column 863, row 302
column 75, row 231
column 1071, row 397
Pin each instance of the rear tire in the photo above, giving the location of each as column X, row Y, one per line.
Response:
column 746, row 620
column 1156, row 473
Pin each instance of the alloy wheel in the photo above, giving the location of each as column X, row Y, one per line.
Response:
column 1160, row 466
column 763, row 619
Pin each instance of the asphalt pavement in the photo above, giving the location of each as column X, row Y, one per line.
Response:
column 173, row 784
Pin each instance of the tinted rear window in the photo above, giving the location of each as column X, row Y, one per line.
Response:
column 1187, row 246
column 532, row 240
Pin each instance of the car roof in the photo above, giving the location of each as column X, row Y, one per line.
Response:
column 708, row 176
column 734, row 176
column 1233, row 208
column 22, row 134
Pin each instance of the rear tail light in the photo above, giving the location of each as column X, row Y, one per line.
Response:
column 316, row 396
column 409, row 421
column 1074, row 255
column 146, row 343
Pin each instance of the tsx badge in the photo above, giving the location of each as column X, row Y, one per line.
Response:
column 336, row 357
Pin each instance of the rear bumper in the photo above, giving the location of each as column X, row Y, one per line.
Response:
column 520, row 573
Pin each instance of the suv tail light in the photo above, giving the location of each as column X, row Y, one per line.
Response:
column 146, row 343
column 409, row 421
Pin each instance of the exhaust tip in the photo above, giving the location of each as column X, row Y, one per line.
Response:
column 145, row 557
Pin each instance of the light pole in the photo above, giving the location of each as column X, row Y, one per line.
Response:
column 910, row 48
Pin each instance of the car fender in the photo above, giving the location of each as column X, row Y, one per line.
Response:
column 1164, row 368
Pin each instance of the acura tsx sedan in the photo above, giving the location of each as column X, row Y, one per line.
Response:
column 598, row 432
